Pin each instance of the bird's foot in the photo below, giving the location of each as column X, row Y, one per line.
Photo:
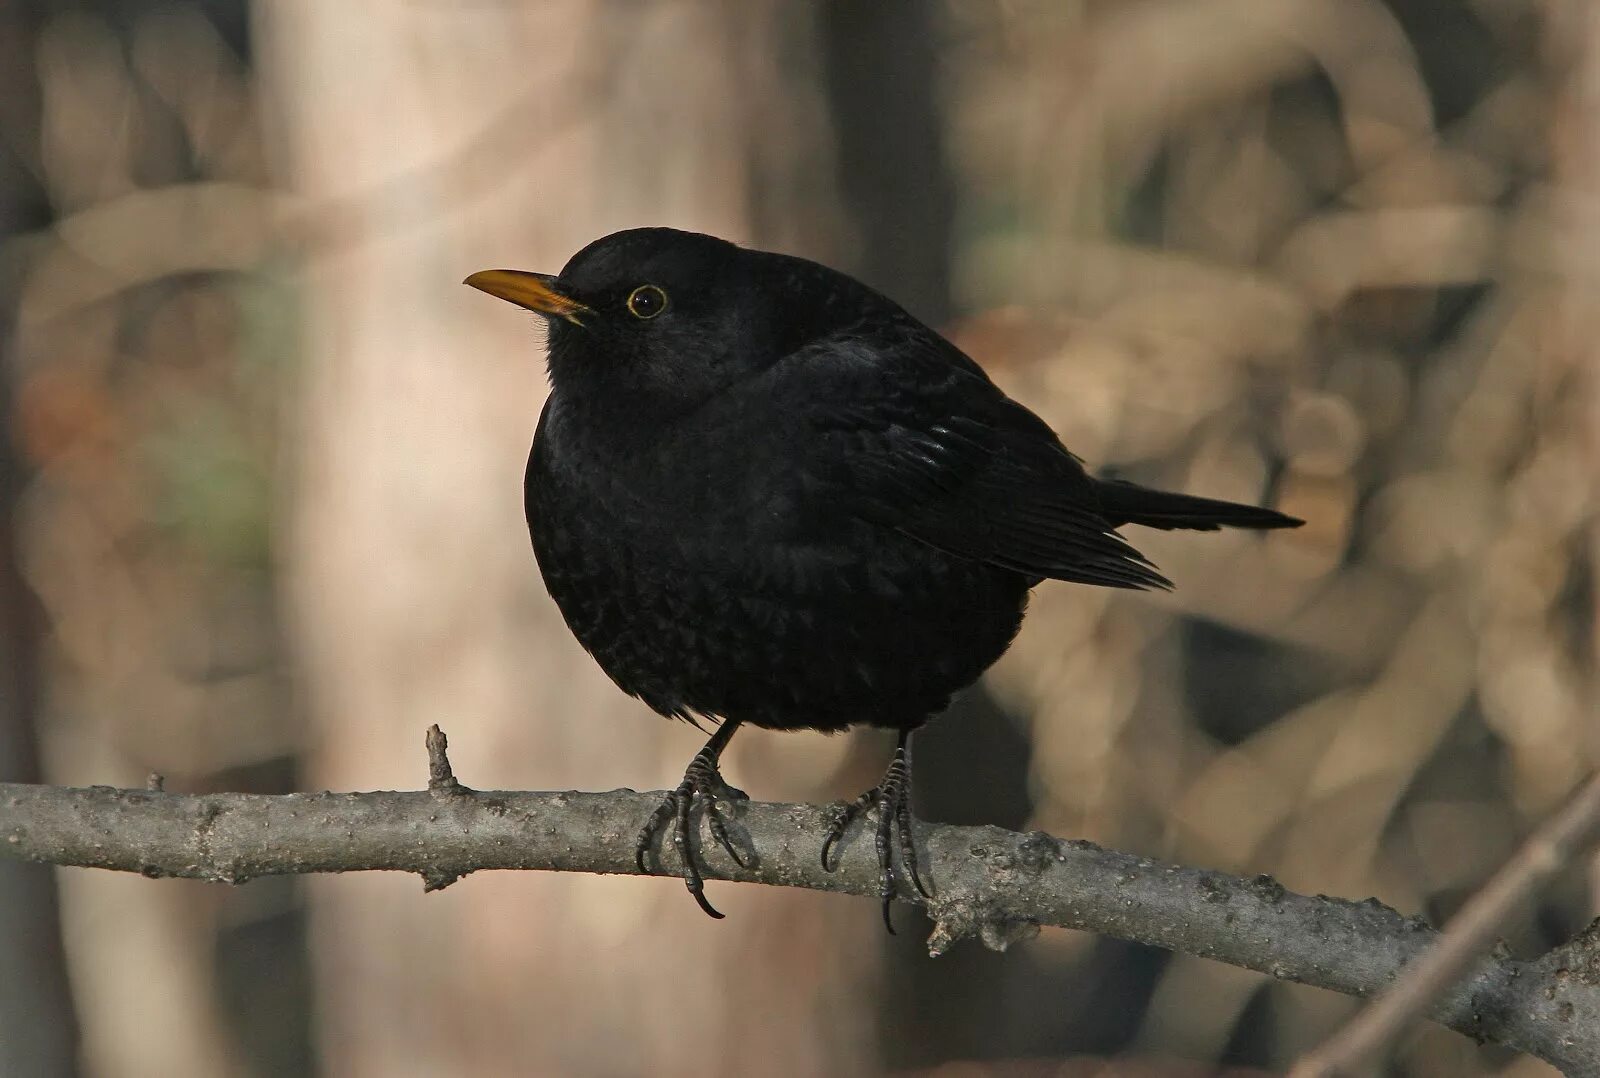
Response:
column 704, row 783
column 892, row 797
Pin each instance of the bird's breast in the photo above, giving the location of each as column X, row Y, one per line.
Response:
column 711, row 581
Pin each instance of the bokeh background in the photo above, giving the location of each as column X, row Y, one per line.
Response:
column 261, row 492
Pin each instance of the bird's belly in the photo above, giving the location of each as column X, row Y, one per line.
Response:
column 870, row 627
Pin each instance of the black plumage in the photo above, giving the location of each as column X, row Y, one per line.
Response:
column 761, row 492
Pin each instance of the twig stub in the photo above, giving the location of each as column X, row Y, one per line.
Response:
column 441, row 777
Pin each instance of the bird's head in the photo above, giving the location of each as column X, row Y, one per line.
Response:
column 667, row 318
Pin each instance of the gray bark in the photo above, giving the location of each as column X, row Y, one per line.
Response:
column 989, row 883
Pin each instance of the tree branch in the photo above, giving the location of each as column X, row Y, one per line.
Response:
column 1554, row 846
column 989, row 883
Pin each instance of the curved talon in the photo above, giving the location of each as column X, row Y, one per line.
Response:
column 701, row 781
column 705, row 904
column 641, row 845
column 892, row 798
column 834, row 831
column 842, row 822
column 719, row 831
column 888, row 816
column 677, row 807
column 908, row 848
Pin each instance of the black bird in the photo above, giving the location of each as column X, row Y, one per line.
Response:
column 761, row 492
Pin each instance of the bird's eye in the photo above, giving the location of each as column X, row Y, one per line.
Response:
column 646, row 301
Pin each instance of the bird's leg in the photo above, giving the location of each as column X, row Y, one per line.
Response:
column 892, row 796
column 701, row 780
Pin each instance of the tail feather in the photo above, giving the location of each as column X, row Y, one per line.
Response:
column 1122, row 503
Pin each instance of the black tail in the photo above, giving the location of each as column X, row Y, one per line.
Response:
column 1122, row 503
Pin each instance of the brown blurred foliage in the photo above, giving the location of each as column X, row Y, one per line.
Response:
column 1334, row 255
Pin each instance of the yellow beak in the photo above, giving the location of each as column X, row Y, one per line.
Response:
column 534, row 291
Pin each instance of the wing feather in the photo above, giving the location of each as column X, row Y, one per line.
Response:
column 915, row 440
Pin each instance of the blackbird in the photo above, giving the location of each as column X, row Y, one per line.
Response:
column 761, row 492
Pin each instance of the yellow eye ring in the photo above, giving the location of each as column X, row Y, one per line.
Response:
column 646, row 301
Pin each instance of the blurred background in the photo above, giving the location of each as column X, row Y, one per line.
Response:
column 262, row 522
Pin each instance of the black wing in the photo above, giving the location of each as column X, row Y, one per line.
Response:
column 914, row 436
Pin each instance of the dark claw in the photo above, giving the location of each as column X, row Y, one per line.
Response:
column 888, row 816
column 700, row 781
column 697, row 889
column 676, row 807
column 651, row 826
column 908, row 847
column 842, row 822
column 892, row 798
column 719, row 831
